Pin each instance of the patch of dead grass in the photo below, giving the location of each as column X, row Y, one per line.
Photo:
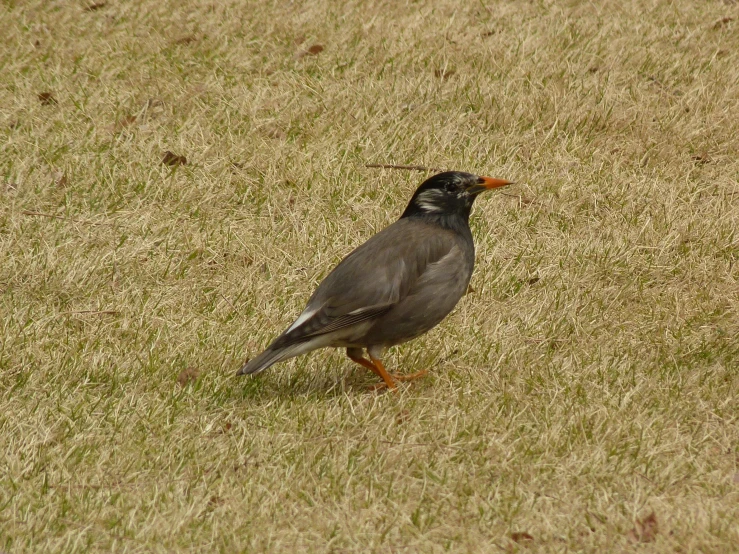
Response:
column 588, row 382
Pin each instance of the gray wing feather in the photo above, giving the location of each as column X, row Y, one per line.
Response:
column 371, row 279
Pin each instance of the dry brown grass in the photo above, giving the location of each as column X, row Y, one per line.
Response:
column 588, row 382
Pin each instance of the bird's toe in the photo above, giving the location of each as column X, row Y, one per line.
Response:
column 411, row 376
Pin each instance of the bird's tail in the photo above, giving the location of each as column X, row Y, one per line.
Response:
column 270, row 356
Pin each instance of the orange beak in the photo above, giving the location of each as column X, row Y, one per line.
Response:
column 490, row 183
column 487, row 183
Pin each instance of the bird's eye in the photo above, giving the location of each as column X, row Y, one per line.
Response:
column 450, row 188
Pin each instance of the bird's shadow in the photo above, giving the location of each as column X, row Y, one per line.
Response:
column 309, row 378
column 300, row 384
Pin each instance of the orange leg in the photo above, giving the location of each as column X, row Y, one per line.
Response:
column 376, row 367
column 389, row 381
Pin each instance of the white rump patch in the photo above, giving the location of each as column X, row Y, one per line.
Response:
column 305, row 316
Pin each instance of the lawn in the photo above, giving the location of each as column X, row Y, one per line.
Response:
column 177, row 177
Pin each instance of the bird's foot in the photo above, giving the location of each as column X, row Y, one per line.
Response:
column 410, row 377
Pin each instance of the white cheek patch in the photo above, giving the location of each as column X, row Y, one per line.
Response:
column 428, row 201
column 426, row 207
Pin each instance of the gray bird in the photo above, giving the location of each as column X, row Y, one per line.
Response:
column 396, row 286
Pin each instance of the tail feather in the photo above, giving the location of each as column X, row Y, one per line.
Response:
column 267, row 358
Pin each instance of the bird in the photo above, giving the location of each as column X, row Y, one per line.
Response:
column 398, row 285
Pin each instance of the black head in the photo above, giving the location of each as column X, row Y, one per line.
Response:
column 451, row 193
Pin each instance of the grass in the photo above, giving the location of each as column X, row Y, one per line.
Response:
column 582, row 398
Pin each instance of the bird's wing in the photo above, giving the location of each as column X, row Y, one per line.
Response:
column 372, row 279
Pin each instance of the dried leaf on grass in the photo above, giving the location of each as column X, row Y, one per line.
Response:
column 702, row 158
column 312, row 51
column 96, row 6
column 214, row 501
column 722, row 22
column 186, row 39
column 188, row 376
column 47, row 98
column 60, row 179
column 645, row 529
column 171, row 159
column 123, row 123
column 521, row 537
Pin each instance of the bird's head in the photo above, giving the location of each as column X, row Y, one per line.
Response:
column 450, row 193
